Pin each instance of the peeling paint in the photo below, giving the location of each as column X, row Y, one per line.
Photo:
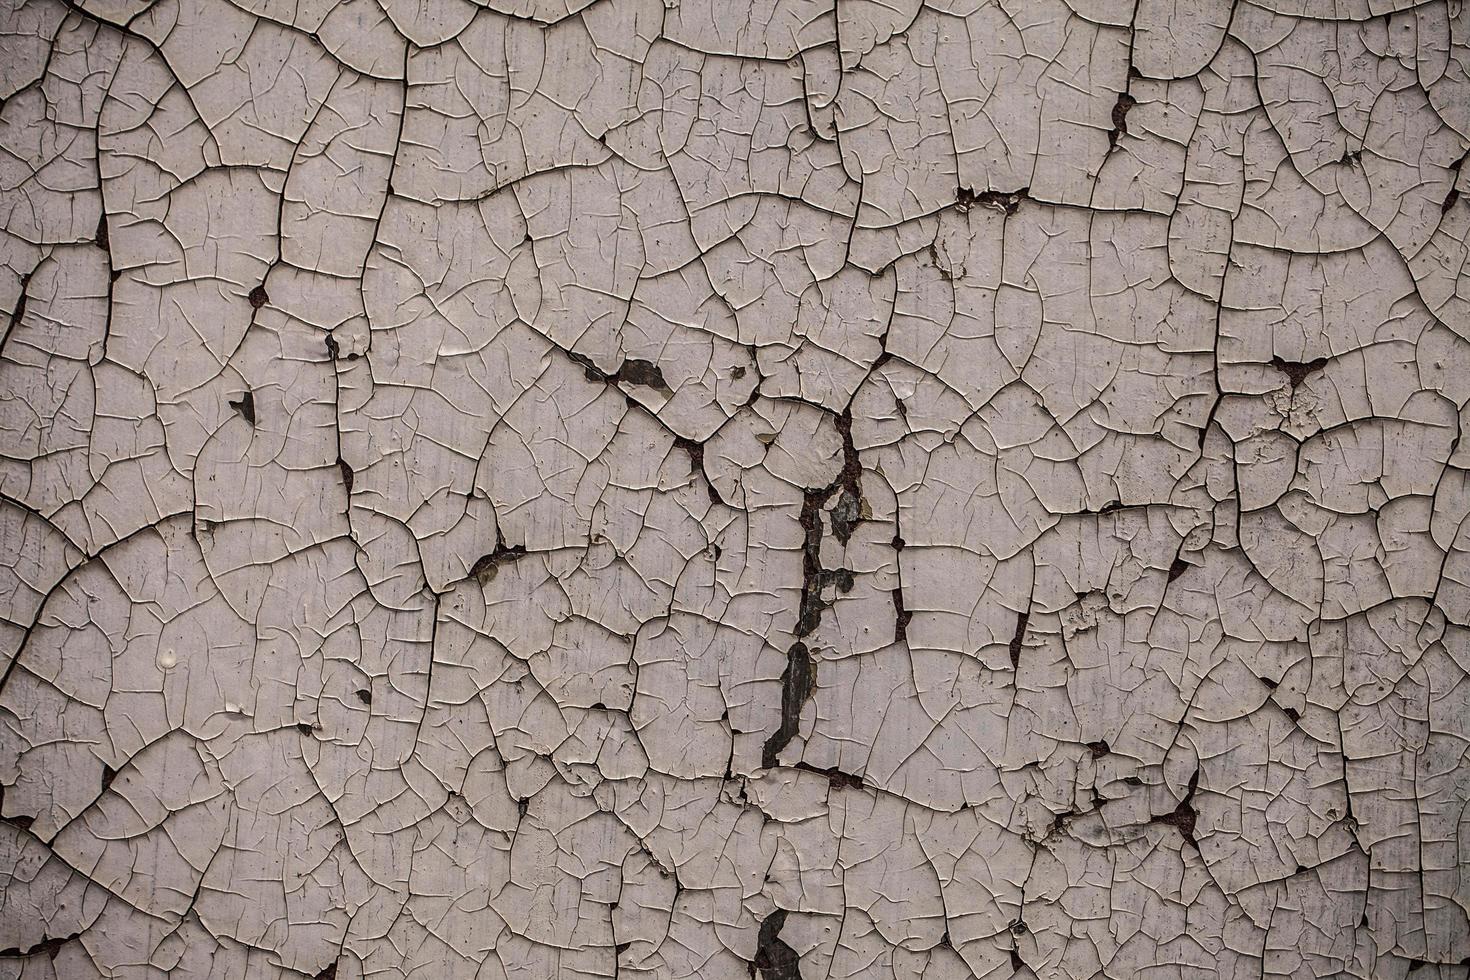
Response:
column 796, row 489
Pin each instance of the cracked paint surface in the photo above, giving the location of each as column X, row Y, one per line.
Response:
column 802, row 488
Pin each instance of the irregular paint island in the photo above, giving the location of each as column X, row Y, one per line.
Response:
column 713, row 489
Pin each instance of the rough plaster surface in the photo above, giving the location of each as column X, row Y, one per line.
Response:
column 613, row 488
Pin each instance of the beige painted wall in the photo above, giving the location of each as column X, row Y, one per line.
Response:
column 642, row 489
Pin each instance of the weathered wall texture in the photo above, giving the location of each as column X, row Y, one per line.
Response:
column 615, row 488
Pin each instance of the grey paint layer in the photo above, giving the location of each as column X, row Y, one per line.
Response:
column 615, row 488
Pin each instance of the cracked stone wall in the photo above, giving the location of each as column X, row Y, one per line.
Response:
column 923, row 489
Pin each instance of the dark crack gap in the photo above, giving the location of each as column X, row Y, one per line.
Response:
column 50, row 947
column 643, row 373
column 695, row 451
column 1296, row 371
column 901, row 617
column 798, row 681
column 633, row 371
column 245, row 405
column 1022, row 618
column 487, row 566
column 1453, row 197
column 1184, row 816
column 833, row 775
column 1120, row 119
column 848, row 511
column 1010, row 203
column 773, row 958
column 20, row 310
